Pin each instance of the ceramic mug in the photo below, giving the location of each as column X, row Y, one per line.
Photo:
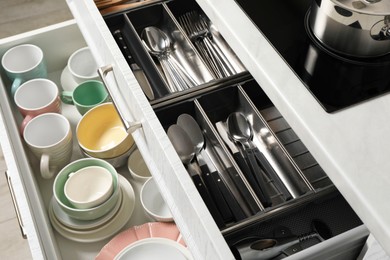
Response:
column 35, row 97
column 22, row 63
column 49, row 137
column 86, row 95
column 83, row 66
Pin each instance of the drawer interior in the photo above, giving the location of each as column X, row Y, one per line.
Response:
column 39, row 191
column 208, row 103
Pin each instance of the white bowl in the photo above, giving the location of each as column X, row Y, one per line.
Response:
column 153, row 203
column 137, row 166
column 89, row 187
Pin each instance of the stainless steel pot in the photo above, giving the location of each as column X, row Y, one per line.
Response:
column 359, row 28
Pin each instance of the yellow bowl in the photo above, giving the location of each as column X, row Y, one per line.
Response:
column 101, row 134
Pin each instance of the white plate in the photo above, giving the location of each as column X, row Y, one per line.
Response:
column 77, row 224
column 67, row 81
column 110, row 228
column 154, row 248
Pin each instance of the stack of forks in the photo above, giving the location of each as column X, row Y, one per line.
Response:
column 197, row 27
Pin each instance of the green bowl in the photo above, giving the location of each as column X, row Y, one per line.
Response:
column 90, row 213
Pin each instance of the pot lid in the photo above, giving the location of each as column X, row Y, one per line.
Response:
column 372, row 7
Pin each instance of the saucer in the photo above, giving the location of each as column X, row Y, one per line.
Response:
column 138, row 233
column 154, row 248
column 67, row 81
column 107, row 229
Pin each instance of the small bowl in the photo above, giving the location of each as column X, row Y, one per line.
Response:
column 101, row 134
column 137, row 166
column 88, row 187
column 89, row 213
column 153, row 203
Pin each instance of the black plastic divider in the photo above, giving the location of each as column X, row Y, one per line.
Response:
column 136, row 48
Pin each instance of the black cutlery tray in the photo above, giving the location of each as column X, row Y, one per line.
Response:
column 164, row 16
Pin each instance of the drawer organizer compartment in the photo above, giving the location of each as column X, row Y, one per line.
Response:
column 153, row 39
column 292, row 178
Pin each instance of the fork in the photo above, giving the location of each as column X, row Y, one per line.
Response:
column 196, row 27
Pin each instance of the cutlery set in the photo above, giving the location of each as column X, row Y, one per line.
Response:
column 191, row 144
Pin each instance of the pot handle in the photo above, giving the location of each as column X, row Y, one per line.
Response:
column 381, row 30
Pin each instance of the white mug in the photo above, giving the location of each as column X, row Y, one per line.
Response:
column 49, row 137
column 83, row 66
column 35, row 97
column 22, row 63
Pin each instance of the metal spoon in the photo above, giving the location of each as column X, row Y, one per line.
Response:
column 210, row 175
column 159, row 44
column 185, row 149
column 240, row 132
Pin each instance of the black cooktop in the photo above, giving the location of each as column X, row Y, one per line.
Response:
column 335, row 81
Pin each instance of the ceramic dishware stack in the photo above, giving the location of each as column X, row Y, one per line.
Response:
column 100, row 134
column 166, row 235
column 91, row 201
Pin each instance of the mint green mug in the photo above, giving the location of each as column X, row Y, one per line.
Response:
column 22, row 63
column 86, row 95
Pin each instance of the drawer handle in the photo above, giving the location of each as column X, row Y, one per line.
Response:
column 129, row 126
column 16, row 207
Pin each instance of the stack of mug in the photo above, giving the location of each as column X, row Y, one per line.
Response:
column 45, row 130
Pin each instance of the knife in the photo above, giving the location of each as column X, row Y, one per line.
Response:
column 240, row 162
column 237, row 211
column 137, row 71
column 205, row 196
column 213, row 188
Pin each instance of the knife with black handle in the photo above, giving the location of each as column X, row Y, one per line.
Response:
column 200, row 186
column 137, row 71
column 213, row 189
column 237, row 212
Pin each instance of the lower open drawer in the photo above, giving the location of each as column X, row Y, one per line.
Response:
column 58, row 42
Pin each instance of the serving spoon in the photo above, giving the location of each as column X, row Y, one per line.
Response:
column 186, row 151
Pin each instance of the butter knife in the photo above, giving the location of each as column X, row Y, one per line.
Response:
column 137, row 71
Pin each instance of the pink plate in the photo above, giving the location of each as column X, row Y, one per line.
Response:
column 137, row 233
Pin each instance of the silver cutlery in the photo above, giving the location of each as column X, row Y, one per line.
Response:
column 137, row 71
column 158, row 43
column 224, row 198
column 186, row 151
column 239, row 132
column 196, row 27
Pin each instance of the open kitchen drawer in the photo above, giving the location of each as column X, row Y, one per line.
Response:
column 202, row 235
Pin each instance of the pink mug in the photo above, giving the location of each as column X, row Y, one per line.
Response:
column 36, row 97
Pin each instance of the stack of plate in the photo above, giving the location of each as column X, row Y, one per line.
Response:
column 147, row 241
column 96, row 229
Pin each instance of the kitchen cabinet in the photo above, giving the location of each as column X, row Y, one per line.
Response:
column 287, row 94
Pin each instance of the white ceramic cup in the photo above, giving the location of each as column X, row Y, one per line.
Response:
column 153, row 203
column 82, row 65
column 137, row 166
column 22, row 63
column 49, row 137
column 89, row 187
column 35, row 97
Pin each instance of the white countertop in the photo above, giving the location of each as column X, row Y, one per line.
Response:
column 352, row 145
